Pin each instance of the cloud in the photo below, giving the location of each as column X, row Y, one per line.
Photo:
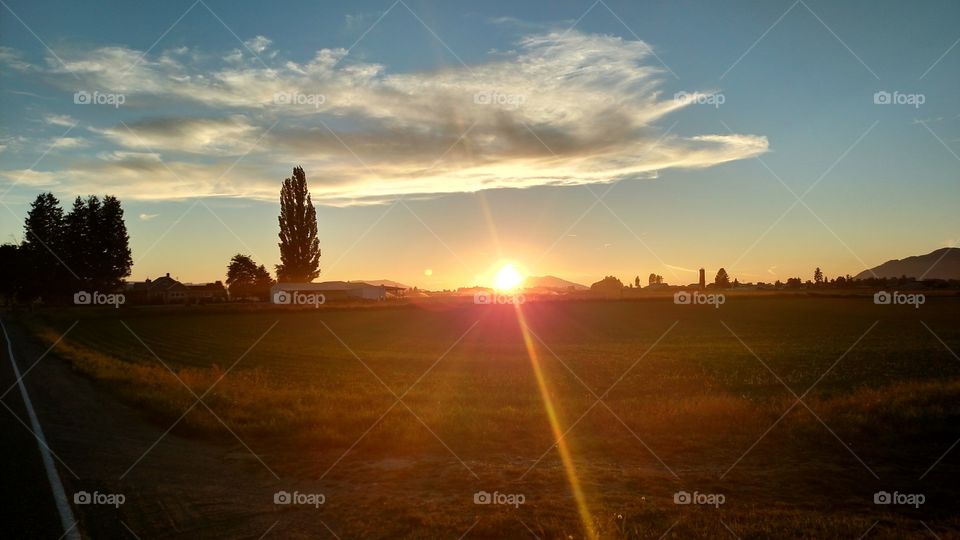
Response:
column 562, row 109
column 63, row 120
column 231, row 135
column 147, row 217
column 69, row 142
column 29, row 177
column 258, row 44
column 13, row 58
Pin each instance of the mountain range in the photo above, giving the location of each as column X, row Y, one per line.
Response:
column 551, row 282
column 943, row 263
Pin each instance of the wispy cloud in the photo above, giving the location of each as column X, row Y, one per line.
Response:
column 563, row 109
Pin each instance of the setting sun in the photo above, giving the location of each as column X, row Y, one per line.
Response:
column 508, row 278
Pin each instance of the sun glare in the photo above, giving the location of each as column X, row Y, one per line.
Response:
column 508, row 278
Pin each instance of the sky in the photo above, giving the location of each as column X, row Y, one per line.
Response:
column 443, row 139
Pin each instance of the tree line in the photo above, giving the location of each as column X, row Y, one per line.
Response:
column 86, row 249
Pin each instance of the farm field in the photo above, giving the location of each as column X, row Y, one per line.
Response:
column 793, row 410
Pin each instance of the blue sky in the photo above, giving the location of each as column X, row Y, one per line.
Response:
column 387, row 100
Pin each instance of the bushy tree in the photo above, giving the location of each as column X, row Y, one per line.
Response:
column 246, row 279
column 299, row 245
column 722, row 280
column 609, row 283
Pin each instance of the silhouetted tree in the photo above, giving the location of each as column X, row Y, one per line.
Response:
column 96, row 244
column 245, row 278
column 114, row 259
column 636, row 281
column 76, row 244
column 817, row 276
column 607, row 284
column 299, row 246
column 45, row 270
column 722, row 279
column 12, row 271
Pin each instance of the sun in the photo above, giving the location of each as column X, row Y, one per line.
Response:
column 508, row 278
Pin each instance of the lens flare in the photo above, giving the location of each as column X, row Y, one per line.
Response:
column 508, row 278
column 563, row 450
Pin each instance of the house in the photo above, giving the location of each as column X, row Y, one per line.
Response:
column 163, row 290
column 319, row 293
column 166, row 290
column 205, row 293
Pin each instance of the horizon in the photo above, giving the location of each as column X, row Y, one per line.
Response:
column 498, row 142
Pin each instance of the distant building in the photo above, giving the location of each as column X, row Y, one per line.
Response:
column 703, row 279
column 286, row 293
column 166, row 290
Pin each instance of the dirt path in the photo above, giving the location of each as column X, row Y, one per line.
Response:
column 178, row 489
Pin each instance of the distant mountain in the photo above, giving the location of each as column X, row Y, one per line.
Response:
column 943, row 263
column 551, row 282
column 380, row 282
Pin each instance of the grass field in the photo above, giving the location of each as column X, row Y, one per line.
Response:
column 692, row 398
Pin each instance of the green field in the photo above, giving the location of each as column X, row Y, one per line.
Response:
column 693, row 398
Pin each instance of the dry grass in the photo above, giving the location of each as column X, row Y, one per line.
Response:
column 697, row 401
